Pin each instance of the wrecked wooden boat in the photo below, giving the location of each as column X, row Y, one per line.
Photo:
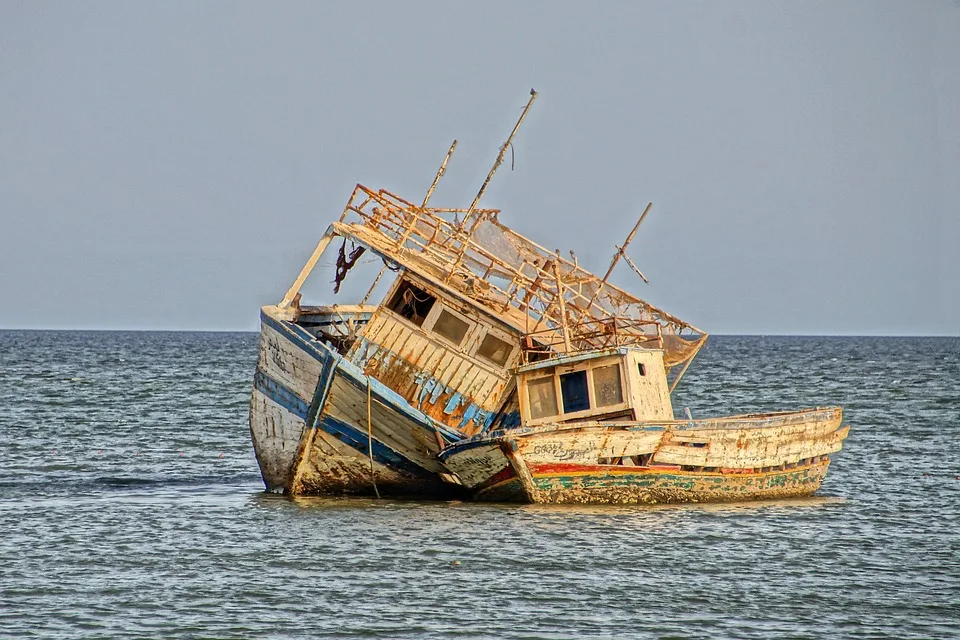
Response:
column 598, row 428
column 361, row 398
column 496, row 368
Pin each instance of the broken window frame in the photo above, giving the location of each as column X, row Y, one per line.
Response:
column 596, row 396
column 527, row 404
column 434, row 315
column 511, row 342
column 473, row 338
column 395, row 291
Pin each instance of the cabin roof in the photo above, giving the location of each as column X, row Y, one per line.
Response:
column 582, row 356
column 536, row 291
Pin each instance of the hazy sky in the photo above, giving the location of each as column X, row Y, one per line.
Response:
column 171, row 165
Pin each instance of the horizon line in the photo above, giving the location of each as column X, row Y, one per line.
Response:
column 255, row 331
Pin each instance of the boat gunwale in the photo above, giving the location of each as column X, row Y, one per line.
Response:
column 744, row 421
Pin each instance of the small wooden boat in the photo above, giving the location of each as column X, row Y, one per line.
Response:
column 573, row 452
column 494, row 367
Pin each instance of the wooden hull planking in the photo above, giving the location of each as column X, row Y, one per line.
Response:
column 308, row 421
column 434, row 377
column 742, row 458
column 575, row 484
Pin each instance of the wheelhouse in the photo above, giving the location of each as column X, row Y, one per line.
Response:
column 623, row 384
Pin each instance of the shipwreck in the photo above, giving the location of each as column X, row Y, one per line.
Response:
column 497, row 369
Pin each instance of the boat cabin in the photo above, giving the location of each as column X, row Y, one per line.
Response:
column 445, row 356
column 623, row 384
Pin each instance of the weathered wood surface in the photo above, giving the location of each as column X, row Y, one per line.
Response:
column 430, row 375
column 742, row 457
column 762, row 441
column 577, row 484
column 286, row 377
column 624, row 485
column 649, row 393
column 309, row 424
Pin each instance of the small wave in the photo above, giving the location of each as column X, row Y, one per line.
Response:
column 123, row 482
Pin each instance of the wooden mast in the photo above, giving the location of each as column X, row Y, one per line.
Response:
column 483, row 187
column 440, row 172
column 620, row 252
column 499, row 160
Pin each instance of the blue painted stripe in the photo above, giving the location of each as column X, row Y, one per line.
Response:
column 429, row 387
column 280, row 394
column 356, row 377
column 300, row 337
column 347, row 433
column 324, row 383
column 383, row 454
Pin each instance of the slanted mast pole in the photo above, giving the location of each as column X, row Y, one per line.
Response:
column 499, row 161
column 443, row 170
column 621, row 252
column 307, row 268
column 468, row 230
column 401, row 241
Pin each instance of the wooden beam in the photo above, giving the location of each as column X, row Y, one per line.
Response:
column 307, row 268
column 563, row 307
column 620, row 252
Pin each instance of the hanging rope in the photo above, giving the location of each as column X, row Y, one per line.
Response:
column 410, row 300
column 373, row 477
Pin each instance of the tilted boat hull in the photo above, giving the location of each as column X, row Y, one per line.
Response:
column 573, row 484
column 309, row 424
column 732, row 459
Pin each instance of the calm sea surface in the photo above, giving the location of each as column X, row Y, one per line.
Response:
column 131, row 506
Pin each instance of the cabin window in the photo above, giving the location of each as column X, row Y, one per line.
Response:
column 592, row 388
column 494, row 349
column 450, row 327
column 412, row 302
column 573, row 388
column 642, row 369
column 607, row 390
column 543, row 398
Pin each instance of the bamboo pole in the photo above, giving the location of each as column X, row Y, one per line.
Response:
column 376, row 281
column 417, row 212
column 634, row 267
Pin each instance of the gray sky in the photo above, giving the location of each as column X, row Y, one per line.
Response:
column 171, row 165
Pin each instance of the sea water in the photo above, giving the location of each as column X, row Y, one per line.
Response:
column 131, row 506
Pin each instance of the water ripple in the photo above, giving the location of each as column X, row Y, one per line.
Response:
column 131, row 506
